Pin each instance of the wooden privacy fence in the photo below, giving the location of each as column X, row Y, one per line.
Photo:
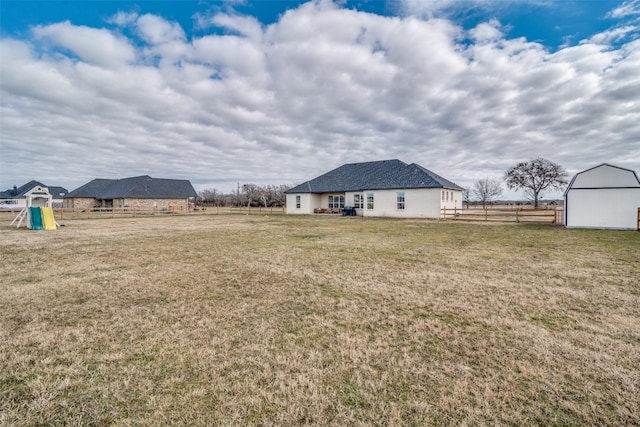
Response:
column 519, row 215
column 62, row 213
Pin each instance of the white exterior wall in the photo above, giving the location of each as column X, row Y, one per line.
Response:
column 453, row 200
column 602, row 208
column 419, row 203
column 308, row 202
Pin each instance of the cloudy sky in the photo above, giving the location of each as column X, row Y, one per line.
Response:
column 278, row 92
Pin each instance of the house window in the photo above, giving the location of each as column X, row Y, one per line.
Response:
column 336, row 202
column 443, row 195
column 400, row 200
column 297, row 202
column 369, row 201
column 447, row 195
column 357, row 201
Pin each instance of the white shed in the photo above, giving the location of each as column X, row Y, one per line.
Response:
column 604, row 196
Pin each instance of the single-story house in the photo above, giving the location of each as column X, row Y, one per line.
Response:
column 389, row 188
column 604, row 196
column 140, row 192
column 16, row 196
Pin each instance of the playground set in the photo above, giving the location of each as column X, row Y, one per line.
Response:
column 38, row 211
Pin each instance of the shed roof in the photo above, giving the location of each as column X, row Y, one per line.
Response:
column 604, row 176
column 378, row 175
column 139, row 187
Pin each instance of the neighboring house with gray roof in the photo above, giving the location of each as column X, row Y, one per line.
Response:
column 16, row 196
column 389, row 188
column 140, row 192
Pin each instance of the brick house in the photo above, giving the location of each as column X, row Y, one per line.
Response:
column 140, row 192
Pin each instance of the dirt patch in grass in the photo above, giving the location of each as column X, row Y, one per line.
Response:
column 280, row 320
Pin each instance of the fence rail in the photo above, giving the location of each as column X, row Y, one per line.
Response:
column 518, row 215
column 70, row 213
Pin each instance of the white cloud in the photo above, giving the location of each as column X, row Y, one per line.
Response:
column 98, row 46
column 487, row 31
column 321, row 87
column 427, row 8
column 244, row 25
column 628, row 8
column 614, row 35
column 229, row 56
column 122, row 19
column 156, row 30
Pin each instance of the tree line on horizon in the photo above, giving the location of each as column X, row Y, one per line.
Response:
column 249, row 195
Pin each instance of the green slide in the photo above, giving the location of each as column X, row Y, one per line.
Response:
column 36, row 219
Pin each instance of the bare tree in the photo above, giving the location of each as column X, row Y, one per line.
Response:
column 251, row 194
column 486, row 190
column 535, row 176
column 212, row 197
column 466, row 196
column 207, row 196
column 246, row 195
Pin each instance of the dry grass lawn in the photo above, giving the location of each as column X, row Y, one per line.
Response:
column 280, row 320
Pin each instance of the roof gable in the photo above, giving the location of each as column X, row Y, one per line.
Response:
column 378, row 175
column 604, row 176
column 139, row 187
column 24, row 189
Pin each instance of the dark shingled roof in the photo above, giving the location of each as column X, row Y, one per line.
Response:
column 139, row 187
column 19, row 192
column 380, row 175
